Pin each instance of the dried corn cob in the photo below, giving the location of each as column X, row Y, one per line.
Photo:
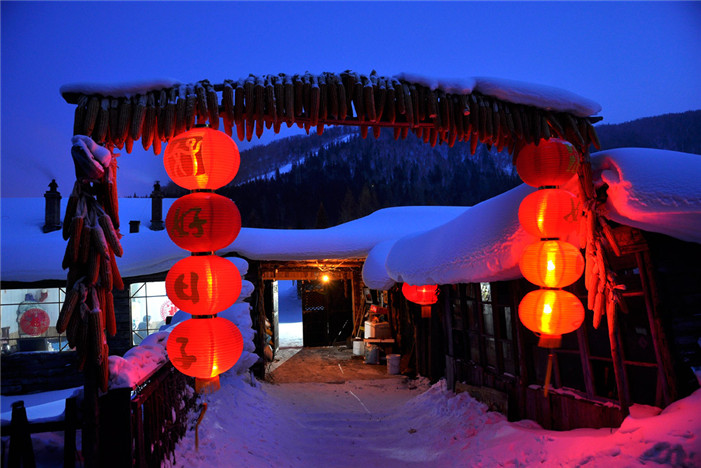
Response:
column 149, row 121
column 190, row 107
column 69, row 305
column 212, row 106
column 116, row 277
column 95, row 335
column 138, row 115
column 113, row 120
column 181, row 110
column 93, row 109
column 81, row 111
column 169, row 123
column 101, row 126
column 259, row 92
column 202, row 112
column 110, row 319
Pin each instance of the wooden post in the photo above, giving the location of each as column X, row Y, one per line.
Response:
column 71, row 424
column 91, row 417
column 21, row 450
column 618, row 369
column 586, row 362
column 116, row 428
column 665, row 374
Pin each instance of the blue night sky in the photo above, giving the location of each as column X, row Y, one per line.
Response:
column 636, row 59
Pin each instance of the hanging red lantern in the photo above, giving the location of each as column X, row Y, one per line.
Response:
column 203, row 284
column 202, row 158
column 424, row 295
column 551, row 263
column 204, row 347
column 203, row 222
column 551, row 163
column 551, row 312
column 548, row 213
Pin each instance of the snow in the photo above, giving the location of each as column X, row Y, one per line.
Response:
column 349, row 240
column 397, row 422
column 516, row 92
column 127, row 89
column 654, row 190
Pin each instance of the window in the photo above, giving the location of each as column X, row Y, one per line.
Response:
column 29, row 320
column 149, row 308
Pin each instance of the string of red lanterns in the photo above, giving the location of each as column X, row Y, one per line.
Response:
column 204, row 284
column 550, row 214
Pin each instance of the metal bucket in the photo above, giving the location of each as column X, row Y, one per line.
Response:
column 358, row 347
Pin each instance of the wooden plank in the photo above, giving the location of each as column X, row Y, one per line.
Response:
column 584, row 355
column 617, row 359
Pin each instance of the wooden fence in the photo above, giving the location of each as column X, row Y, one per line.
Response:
column 138, row 427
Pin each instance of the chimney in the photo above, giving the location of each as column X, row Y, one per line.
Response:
column 156, row 208
column 52, row 212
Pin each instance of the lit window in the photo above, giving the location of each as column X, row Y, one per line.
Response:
column 29, row 320
column 149, row 308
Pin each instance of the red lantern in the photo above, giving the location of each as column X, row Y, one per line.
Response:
column 424, row 295
column 201, row 158
column 549, row 213
column 203, row 284
column 203, row 222
column 551, row 162
column 551, row 263
column 204, row 348
column 551, row 312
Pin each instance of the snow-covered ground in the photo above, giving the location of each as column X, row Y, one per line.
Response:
column 404, row 423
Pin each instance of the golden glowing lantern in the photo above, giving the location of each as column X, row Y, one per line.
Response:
column 203, row 222
column 551, row 263
column 203, row 284
column 551, row 313
column 424, row 295
column 549, row 163
column 201, row 158
column 204, row 348
column 548, row 213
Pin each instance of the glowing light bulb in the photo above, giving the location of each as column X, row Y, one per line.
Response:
column 325, row 278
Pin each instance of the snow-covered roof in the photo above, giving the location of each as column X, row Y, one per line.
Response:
column 654, row 190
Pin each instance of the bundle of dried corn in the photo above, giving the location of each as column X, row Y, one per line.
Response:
column 256, row 103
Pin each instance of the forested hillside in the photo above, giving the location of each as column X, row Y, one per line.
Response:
column 323, row 180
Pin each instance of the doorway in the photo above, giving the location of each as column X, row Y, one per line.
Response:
column 289, row 314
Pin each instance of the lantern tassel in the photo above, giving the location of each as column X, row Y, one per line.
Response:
column 548, row 374
column 425, row 311
column 197, row 427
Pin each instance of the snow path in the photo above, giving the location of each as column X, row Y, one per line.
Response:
column 409, row 424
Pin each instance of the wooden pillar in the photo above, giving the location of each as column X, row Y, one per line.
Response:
column 665, row 372
column 91, row 416
column 586, row 362
column 21, row 450
column 618, row 365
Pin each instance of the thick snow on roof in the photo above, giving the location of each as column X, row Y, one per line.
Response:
column 517, row 92
column 350, row 240
column 118, row 89
column 654, row 190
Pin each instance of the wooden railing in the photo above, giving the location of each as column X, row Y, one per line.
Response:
column 141, row 427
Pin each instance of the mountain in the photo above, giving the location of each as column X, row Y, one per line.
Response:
column 675, row 132
column 323, row 180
